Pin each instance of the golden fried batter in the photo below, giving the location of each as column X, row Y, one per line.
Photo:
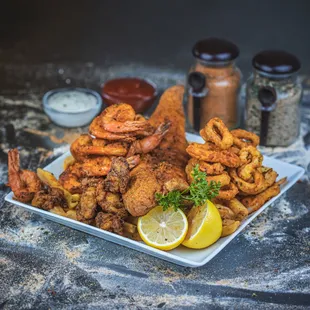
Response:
column 86, row 209
column 110, row 222
column 110, row 202
column 49, row 198
column 118, row 177
column 202, row 152
column 173, row 146
column 170, row 177
column 253, row 203
column 140, row 195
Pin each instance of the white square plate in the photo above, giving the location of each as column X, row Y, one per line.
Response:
column 181, row 256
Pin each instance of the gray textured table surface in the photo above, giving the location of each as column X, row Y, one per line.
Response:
column 44, row 265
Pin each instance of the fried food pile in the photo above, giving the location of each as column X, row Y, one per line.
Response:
column 90, row 188
column 117, row 169
column 232, row 158
column 103, row 159
column 162, row 170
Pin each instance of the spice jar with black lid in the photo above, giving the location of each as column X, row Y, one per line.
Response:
column 215, row 59
column 273, row 96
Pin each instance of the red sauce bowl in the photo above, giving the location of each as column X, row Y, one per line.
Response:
column 139, row 93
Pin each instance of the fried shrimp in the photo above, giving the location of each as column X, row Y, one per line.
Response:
column 216, row 131
column 96, row 130
column 94, row 167
column 24, row 183
column 225, row 157
column 70, row 179
column 149, row 143
column 121, row 118
column 243, row 138
column 84, row 146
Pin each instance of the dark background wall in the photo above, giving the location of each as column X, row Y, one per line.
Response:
column 153, row 32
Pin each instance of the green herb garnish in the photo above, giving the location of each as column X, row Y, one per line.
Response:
column 198, row 192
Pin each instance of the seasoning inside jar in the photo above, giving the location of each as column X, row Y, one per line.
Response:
column 139, row 93
column 215, row 59
column 276, row 118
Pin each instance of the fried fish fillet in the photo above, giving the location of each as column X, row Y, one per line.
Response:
column 172, row 149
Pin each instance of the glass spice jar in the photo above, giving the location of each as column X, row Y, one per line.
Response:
column 273, row 96
column 215, row 60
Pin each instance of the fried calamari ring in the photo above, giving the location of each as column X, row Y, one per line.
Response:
column 228, row 192
column 216, row 131
column 224, row 178
column 253, row 203
column 213, row 169
column 229, row 227
column 252, row 159
column 238, row 209
column 270, row 177
column 226, row 158
column 250, row 188
column 208, row 168
column 225, row 212
column 234, row 149
column 243, row 138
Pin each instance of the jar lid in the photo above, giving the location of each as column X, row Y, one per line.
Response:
column 276, row 62
column 215, row 50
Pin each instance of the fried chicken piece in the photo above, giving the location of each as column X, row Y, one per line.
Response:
column 173, row 146
column 110, row 222
column 118, row 177
column 150, row 178
column 110, row 202
column 90, row 182
column 49, row 198
column 87, row 207
column 140, row 195
column 171, row 177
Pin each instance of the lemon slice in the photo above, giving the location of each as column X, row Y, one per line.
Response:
column 164, row 230
column 204, row 226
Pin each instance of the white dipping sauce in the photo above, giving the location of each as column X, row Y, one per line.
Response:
column 72, row 101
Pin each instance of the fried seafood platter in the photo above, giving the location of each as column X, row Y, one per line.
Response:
column 141, row 179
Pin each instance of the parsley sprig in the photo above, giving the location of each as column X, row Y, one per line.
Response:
column 198, row 192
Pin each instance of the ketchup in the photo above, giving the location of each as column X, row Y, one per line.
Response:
column 139, row 93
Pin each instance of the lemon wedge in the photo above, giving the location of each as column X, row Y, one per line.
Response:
column 164, row 230
column 204, row 226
